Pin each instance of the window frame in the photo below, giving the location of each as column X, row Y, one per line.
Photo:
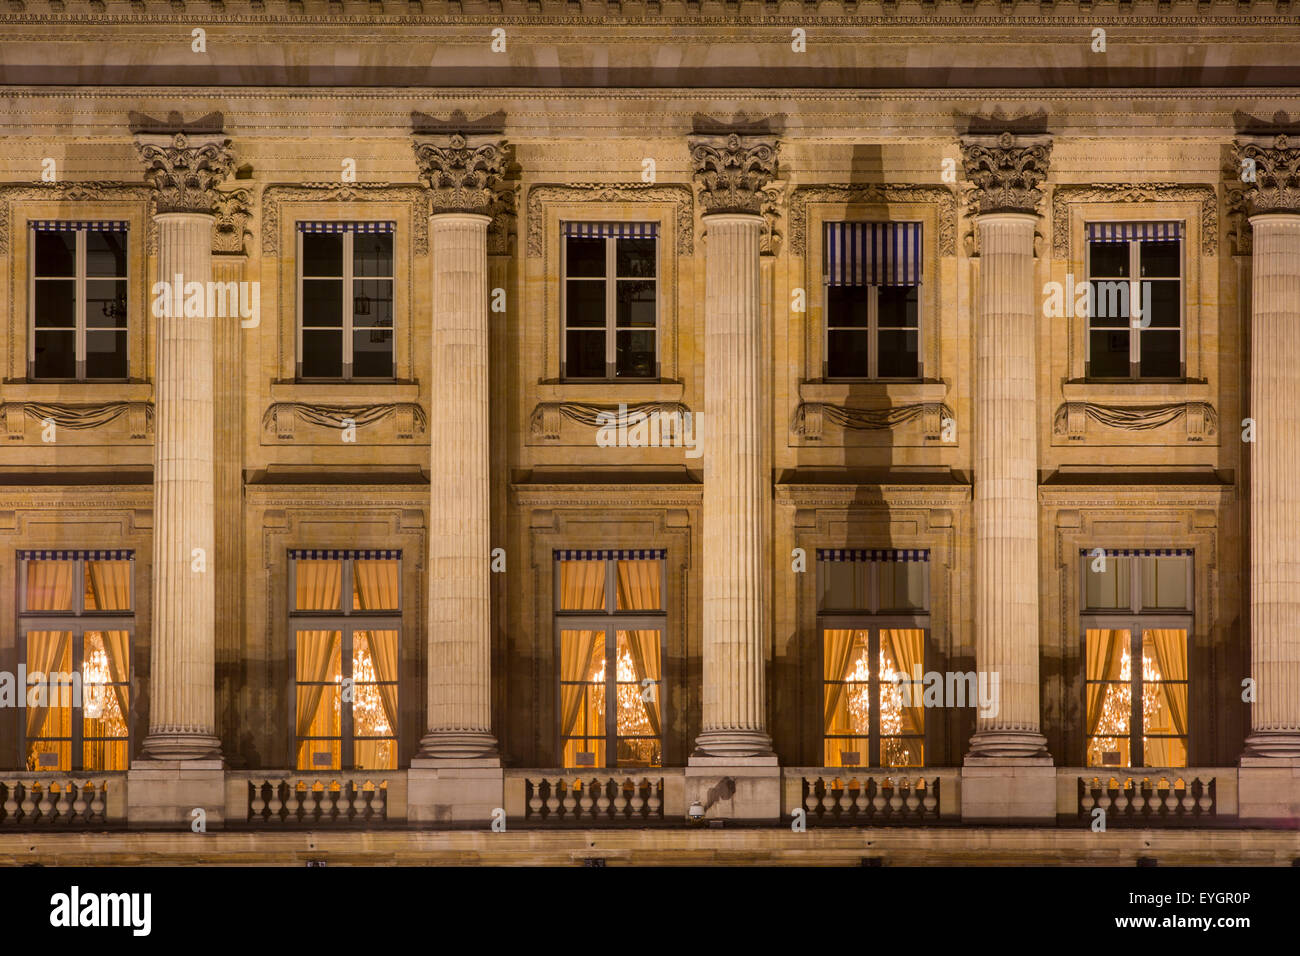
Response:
column 1135, row 281
column 347, row 328
column 611, row 621
column 347, row 622
column 80, row 327
column 76, row 621
column 610, row 328
column 872, row 331
column 1136, row 620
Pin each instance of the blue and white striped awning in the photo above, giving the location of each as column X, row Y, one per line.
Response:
column 73, row 225
column 873, row 253
column 603, row 230
column 1124, row 231
column 1140, row 552
column 93, row 555
column 873, row 554
column 337, row 227
column 335, row 554
column 627, row 554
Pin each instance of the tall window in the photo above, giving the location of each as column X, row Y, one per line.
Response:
column 78, row 296
column 873, row 312
column 610, row 305
column 1135, row 273
column 874, row 622
column 610, row 621
column 345, row 626
column 345, row 300
column 75, row 624
column 1136, row 622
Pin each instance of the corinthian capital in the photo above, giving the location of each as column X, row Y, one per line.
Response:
column 461, row 171
column 733, row 171
column 1006, row 171
column 184, row 170
column 1270, row 169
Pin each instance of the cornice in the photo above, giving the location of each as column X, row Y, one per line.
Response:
column 98, row 191
column 676, row 193
column 849, row 194
column 274, row 195
column 638, row 496
column 48, row 497
column 856, row 496
column 1065, row 194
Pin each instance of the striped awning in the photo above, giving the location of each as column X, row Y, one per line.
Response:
column 873, row 253
column 73, row 225
column 603, row 230
column 111, row 554
column 1140, row 552
column 1124, row 231
column 336, row 554
column 337, row 227
column 626, row 554
column 873, row 554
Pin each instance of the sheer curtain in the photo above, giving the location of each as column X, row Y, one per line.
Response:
column 580, row 653
column 640, row 589
column 1171, row 661
column 319, row 587
column 49, row 588
column 582, row 585
column 108, row 588
column 376, row 590
column 906, row 648
column 837, row 657
column 1104, row 650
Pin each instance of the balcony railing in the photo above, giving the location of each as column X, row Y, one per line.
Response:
column 57, row 800
column 839, row 795
column 1148, row 796
column 349, row 799
column 602, row 798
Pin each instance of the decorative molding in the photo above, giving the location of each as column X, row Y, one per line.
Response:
column 233, row 213
column 863, row 496
column 1276, row 187
column 809, row 417
column 1071, row 418
column 78, row 417
column 185, row 169
column 733, row 171
column 1063, row 195
column 1007, row 171
column 635, row 497
column 504, row 211
column 869, row 195
column 98, row 191
column 679, row 195
column 461, row 171
column 274, row 196
column 546, row 420
column 280, row 418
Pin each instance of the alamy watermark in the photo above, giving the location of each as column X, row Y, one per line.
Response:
column 653, row 429
column 207, row 300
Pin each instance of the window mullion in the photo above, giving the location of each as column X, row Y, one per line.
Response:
column 873, row 332
column 1134, row 298
column 78, row 756
column 611, row 308
column 348, row 304
column 611, row 696
column 80, row 300
column 347, row 759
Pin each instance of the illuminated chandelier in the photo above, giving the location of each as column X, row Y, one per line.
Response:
column 896, row 753
column 100, row 703
column 368, row 714
column 631, row 718
column 1116, row 709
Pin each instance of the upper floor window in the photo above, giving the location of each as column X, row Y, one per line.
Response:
column 1137, row 607
column 610, row 622
column 345, row 626
column 874, row 622
column 78, row 296
column 75, row 625
column 610, row 300
column 345, row 300
column 873, row 305
column 1135, row 278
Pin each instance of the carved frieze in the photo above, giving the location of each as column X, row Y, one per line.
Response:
column 1007, row 171
column 1071, row 418
column 280, row 418
column 77, row 417
column 679, row 195
column 810, row 417
column 870, row 195
column 274, row 196
column 72, row 192
column 733, row 171
column 185, row 169
column 1063, row 196
column 548, row 417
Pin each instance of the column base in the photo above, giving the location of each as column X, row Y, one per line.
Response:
column 1012, row 744
column 163, row 794
column 1001, row 790
column 1268, row 790
column 1283, row 744
column 459, row 745
column 455, row 791
column 182, row 746
column 744, row 789
column 733, row 743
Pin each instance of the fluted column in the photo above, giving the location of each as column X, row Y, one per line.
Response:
column 1007, row 173
column 461, row 173
column 182, row 725
column 1275, row 454
column 732, row 173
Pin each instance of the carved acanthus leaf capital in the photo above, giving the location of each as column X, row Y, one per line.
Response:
column 233, row 211
column 1006, row 171
column 1270, row 172
column 184, row 170
column 461, row 171
column 733, row 171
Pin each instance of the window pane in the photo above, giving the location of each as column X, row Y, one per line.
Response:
column 584, row 257
column 106, row 354
column 322, row 254
column 1109, row 356
column 55, row 354
column 56, row 304
column 49, row 585
column 322, row 303
column 846, row 306
column 372, row 303
column 1164, row 709
column 1106, row 582
column 56, row 254
column 105, row 253
column 320, row 658
column 634, row 258
column 104, row 691
column 320, row 755
column 1164, row 654
column 322, row 354
column 636, row 303
column 1160, row 258
column 374, row 707
column 584, row 355
column 902, row 584
column 51, row 754
column 637, row 656
column 1108, row 260
column 1165, row 751
column 106, row 303
column 584, row 752
column 639, row 585
column 844, row 655
column 375, row 584
column 846, row 353
column 1164, row 582
column 319, row 583
column 898, row 354
column 846, row 752
column 1107, row 653
column 1160, row 354
column 584, row 304
column 372, row 353
column 634, row 354
column 582, row 586
column 640, row 649
column 897, row 307
column 1110, row 306
column 902, row 657
column 48, row 653
column 372, row 254
column 902, row 752
column 108, row 586
column 843, row 585
column 104, row 754
column 1162, row 299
